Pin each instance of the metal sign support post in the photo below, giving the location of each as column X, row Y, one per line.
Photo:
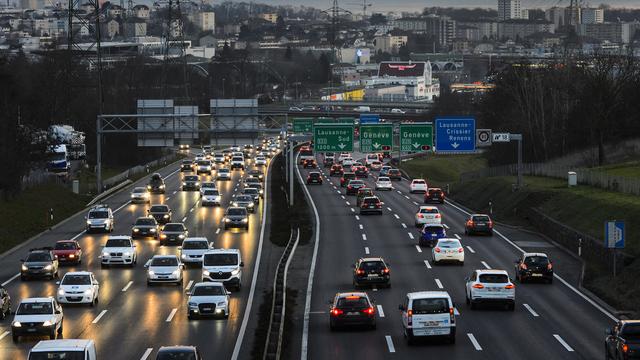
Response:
column 283, row 147
column 98, row 156
column 518, row 137
column 291, row 165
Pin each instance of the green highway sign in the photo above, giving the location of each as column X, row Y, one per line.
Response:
column 302, row 125
column 333, row 137
column 416, row 137
column 345, row 120
column 376, row 137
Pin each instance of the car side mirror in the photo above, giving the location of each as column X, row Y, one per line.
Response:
column 146, row 265
column 96, row 283
column 241, row 264
column 57, row 282
column 228, row 292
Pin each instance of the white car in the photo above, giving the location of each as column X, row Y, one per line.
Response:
column 490, row 286
column 78, row 287
column 348, row 162
column 140, row 195
column 218, row 158
column 384, row 183
column 223, row 174
column 211, row 197
column 193, row 248
column 428, row 313
column 428, row 215
column 208, row 299
column 204, row 167
column 163, row 269
column 343, row 156
column 397, row 111
column 200, row 157
column 224, row 266
column 447, row 250
column 207, row 185
column 261, row 161
column 119, row 250
column 418, row 185
column 370, row 159
column 237, row 162
column 37, row 316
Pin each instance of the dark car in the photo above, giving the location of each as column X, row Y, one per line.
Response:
column 354, row 186
column 478, row 223
column 156, row 184
column 251, row 181
column 235, row 217
column 178, row 353
column 371, row 271
column 256, row 173
column 336, row 170
column 253, row 191
column 352, row 309
column 361, row 171
column 623, row 341
column 173, row 233
column 41, row 262
column 160, row 212
column 346, row 177
column 394, row 174
column 309, row 163
column 327, row 161
column 191, row 182
column 534, row 266
column 363, row 193
column 187, row 165
column 434, row 195
column 430, row 234
column 68, row 251
column 145, row 227
column 314, row 177
column 245, row 201
column 370, row 205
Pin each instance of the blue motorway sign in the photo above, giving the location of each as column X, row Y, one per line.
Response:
column 455, row 135
column 369, row 118
column 614, row 234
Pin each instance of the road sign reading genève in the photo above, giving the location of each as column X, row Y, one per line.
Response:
column 416, row 137
column 333, row 137
column 376, row 137
column 302, row 125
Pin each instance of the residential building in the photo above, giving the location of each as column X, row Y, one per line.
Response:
column 31, row 4
column 141, row 11
column 592, row 16
column 206, row 21
column 477, row 30
column 442, row 28
column 208, row 40
column 115, row 11
column 272, row 17
column 135, row 28
column 509, row 9
column 416, row 77
column 355, row 55
column 389, row 44
column 110, row 28
column 614, row 32
column 519, row 29
column 411, row 24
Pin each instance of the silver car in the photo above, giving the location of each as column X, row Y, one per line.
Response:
column 140, row 195
column 208, row 299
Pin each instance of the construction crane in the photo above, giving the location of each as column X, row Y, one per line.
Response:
column 364, row 5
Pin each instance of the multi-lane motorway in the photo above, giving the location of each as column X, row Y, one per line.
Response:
column 132, row 320
column 550, row 321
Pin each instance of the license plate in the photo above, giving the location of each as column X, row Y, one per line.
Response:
column 435, row 198
column 31, row 330
column 163, row 277
column 493, row 289
column 372, row 207
column 352, row 313
column 372, row 275
column 536, row 275
column 206, row 309
column 431, row 323
column 481, row 224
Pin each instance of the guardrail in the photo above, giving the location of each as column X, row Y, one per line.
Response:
column 273, row 343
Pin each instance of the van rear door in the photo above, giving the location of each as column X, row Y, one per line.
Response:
column 431, row 316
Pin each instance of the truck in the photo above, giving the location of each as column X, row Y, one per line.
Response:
column 71, row 138
column 58, row 161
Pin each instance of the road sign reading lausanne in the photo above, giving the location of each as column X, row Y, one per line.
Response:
column 416, row 137
column 302, row 125
column 333, row 137
column 376, row 137
column 456, row 135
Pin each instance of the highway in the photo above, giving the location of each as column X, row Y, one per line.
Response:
column 550, row 321
column 133, row 320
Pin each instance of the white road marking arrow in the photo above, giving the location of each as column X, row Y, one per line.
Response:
column 376, row 145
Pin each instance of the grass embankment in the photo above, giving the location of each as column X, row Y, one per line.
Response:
column 442, row 169
column 28, row 214
column 627, row 169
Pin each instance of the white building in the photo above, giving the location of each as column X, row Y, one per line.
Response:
column 592, row 16
column 416, row 77
column 509, row 9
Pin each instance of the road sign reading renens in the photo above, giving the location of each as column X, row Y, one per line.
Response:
column 375, row 137
column 416, row 137
column 302, row 125
column 456, row 135
column 333, row 137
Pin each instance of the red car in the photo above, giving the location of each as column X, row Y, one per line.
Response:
column 336, row 169
column 434, row 195
column 68, row 251
column 361, row 171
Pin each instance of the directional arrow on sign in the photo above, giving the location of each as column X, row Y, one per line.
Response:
column 341, row 145
column 376, row 145
column 416, row 145
column 455, row 145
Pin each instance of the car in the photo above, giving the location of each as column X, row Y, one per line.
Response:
column 119, row 250
column 179, row 352
column 342, row 156
column 336, row 170
column 69, row 349
column 384, row 183
column 227, row 154
column 68, row 252
column 361, row 171
column 191, row 182
column 156, row 184
column 223, row 174
column 428, row 215
column 534, row 266
column 218, row 158
column 211, row 197
column 164, row 269
column 140, row 194
column 371, row 271
column 160, row 212
column 362, row 193
column 328, row 160
column 434, row 195
column 348, row 162
column 430, row 234
column 39, row 263
column 37, row 316
column 256, row 173
column 305, row 154
column 245, row 201
column 252, row 182
column 204, row 167
column 428, row 314
column 237, row 162
column 193, row 248
column 384, row 170
column 254, row 191
column 369, row 158
column 235, row 217
column 418, row 185
column 207, row 185
column 622, row 340
column 314, row 177
column 208, row 299
column 397, row 111
column 346, row 177
column 199, row 157
column 362, row 109
column 261, row 161
column 145, row 227
column 186, row 166
column 99, row 218
column 5, row 303
column 371, row 204
column 224, row 266
column 393, row 174
column 478, row 224
column 354, row 185
column 78, row 287
column 447, row 250
column 309, row 163
column 375, row 165
column 352, row 309
column 490, row 286
column 173, row 233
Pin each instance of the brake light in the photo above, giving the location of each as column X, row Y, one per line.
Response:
column 549, row 266
column 438, row 216
column 452, row 315
column 437, row 249
column 385, row 271
column 360, row 272
column 490, row 223
column 369, row 311
column 378, row 205
column 523, row 266
column 420, row 216
column 349, row 187
column 478, row 286
column 625, row 348
column 308, row 177
column 409, row 317
column 509, row 286
column 336, row 312
column 461, row 250
column 470, row 223
column 353, row 297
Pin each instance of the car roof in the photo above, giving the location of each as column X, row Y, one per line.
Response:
column 62, row 344
column 207, row 283
column 428, row 207
column 196, row 239
column 418, row 180
column 371, row 197
column 428, row 294
column 165, row 205
column 534, row 254
column 223, row 251
column 479, row 215
column 78, row 273
column 372, row 259
column 36, row 299
column 178, row 348
column 65, row 241
column 357, row 293
column 122, row 237
column 434, row 188
column 165, row 256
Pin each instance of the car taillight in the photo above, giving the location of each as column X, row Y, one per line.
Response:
column 509, row 286
column 360, row 272
column 349, row 187
column 336, row 312
column 308, row 177
column 523, row 266
column 452, row 315
column 549, row 266
column 461, row 250
column 385, row 271
column 378, row 205
column 409, row 317
column 420, row 216
column 625, row 348
column 490, row 223
column 470, row 223
column 369, row 311
column 437, row 249
column 478, row 286
column 438, row 216
column 441, row 195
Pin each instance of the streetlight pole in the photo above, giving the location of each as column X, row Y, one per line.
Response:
column 223, row 79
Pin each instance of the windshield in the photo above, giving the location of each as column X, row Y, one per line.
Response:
column 164, row 261
column 244, row 198
column 58, row 156
column 65, row 246
column 237, row 158
column 176, row 355
column 35, row 308
column 237, row 211
column 146, row 221
column 139, row 190
column 306, row 153
column 314, row 175
column 393, row 171
column 195, row 245
column 223, row 171
column 356, row 182
column 352, row 302
column 371, row 201
column 220, row 259
column 430, row 306
column 383, row 179
column 208, row 185
column 159, row 208
column 98, row 214
column 211, row 290
column 76, row 280
column 449, row 244
column 38, row 256
column 631, row 331
column 57, row 355
column 252, row 191
column 173, row 227
column 494, row 278
column 190, row 178
column 118, row 243
column 203, row 163
column 481, row 218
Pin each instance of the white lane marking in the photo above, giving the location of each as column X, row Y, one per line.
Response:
column 457, row 236
column 366, row 250
column 121, row 207
column 126, row 287
column 485, row 265
column 571, row 287
column 445, row 226
column 4, row 334
column 564, row 343
column 533, row 312
column 189, row 285
column 338, row 191
column 191, row 210
column 439, row 284
column 426, row 262
column 342, row 196
column 364, row 236
column 474, row 342
column 353, row 210
column 404, row 225
column 146, row 354
column 388, row 208
column 407, row 197
column 375, row 288
column 471, row 249
column 418, row 248
column 360, row 226
column 78, row 235
column 357, row 217
column 410, row 236
column 175, row 191
column 334, row 187
column 10, row 280
column 390, row 346
column 95, row 321
column 396, row 216
column 399, row 192
column 184, row 219
column 168, row 198
column 348, row 203
column 415, row 203
column 456, row 312
column 380, row 311
column 171, row 315
column 218, row 231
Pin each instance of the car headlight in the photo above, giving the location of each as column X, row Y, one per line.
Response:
column 184, row 183
column 176, row 273
column 184, row 256
column 149, row 187
column 193, row 305
column 152, row 230
column 222, row 303
column 61, row 292
column 227, row 219
column 105, row 254
column 150, row 272
column 136, row 230
column 245, row 220
column 205, row 273
column 261, row 192
column 180, row 236
column 127, row 253
column 88, row 222
column 163, row 236
column 88, row 292
column 161, row 186
column 235, row 272
column 165, row 216
column 46, row 323
column 17, row 324
column 250, row 205
column 24, row 267
column 48, row 267
column 133, row 195
column 197, row 183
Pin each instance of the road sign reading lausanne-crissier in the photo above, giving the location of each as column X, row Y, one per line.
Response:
column 456, row 135
column 333, row 137
column 376, row 137
column 416, row 137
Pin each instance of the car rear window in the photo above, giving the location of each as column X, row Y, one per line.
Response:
column 306, row 153
column 494, row 278
column 372, row 265
column 173, row 227
column 352, row 302
column 536, row 260
column 314, row 175
column 65, row 246
column 435, row 191
column 118, row 243
column 430, row 306
column 419, row 182
column 371, row 201
column 433, row 229
column 394, row 171
column 139, row 190
column 481, row 218
column 429, row 211
column 194, row 245
column 448, row 244
column 383, row 179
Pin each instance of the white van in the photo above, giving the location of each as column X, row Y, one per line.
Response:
column 69, row 349
column 428, row 313
column 362, row 109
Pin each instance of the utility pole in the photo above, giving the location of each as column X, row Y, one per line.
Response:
column 334, row 13
column 174, row 52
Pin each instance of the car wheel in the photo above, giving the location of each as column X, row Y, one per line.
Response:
column 4, row 314
column 23, row 278
column 16, row 338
